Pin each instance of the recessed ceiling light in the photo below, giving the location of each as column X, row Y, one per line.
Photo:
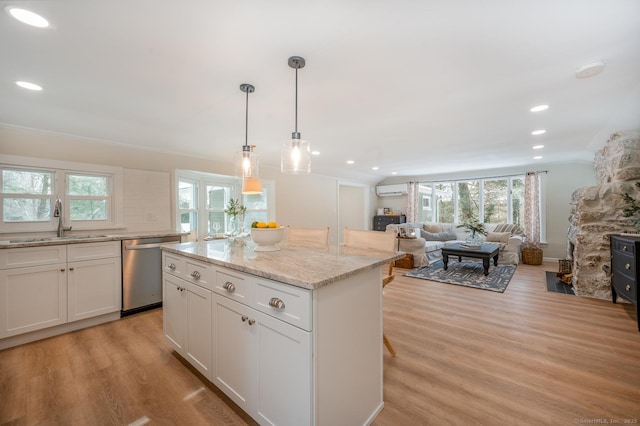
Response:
column 28, row 17
column 538, row 146
column 537, row 157
column 539, row 108
column 539, row 132
column 350, row 161
column 590, row 69
column 29, row 86
column 394, row 173
column 375, row 168
column 315, row 152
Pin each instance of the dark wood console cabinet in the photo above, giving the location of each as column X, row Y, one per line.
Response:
column 625, row 251
column 380, row 222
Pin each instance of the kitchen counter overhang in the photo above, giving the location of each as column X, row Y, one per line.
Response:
column 304, row 267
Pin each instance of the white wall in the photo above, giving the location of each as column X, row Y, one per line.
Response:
column 562, row 180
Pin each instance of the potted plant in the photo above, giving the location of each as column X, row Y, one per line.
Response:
column 235, row 209
column 476, row 229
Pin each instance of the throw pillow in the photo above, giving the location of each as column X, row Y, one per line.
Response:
column 438, row 236
column 498, row 237
column 432, row 227
column 512, row 228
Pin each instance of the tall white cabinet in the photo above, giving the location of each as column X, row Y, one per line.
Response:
column 285, row 354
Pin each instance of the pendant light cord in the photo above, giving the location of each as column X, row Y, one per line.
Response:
column 246, row 121
column 296, row 100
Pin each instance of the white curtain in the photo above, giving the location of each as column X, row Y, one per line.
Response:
column 412, row 202
column 532, row 209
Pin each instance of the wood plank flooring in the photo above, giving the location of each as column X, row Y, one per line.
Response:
column 465, row 356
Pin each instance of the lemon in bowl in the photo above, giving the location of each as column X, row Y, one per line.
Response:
column 266, row 236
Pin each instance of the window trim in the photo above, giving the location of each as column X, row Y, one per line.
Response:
column 60, row 169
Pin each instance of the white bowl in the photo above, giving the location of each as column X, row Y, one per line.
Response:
column 267, row 238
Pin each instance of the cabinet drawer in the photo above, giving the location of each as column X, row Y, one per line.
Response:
column 91, row 251
column 235, row 285
column 295, row 302
column 624, row 246
column 624, row 264
column 198, row 273
column 173, row 264
column 625, row 286
column 32, row 256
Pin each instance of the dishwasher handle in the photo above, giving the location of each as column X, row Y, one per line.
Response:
column 143, row 246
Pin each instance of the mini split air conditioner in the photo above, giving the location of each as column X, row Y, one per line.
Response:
column 390, row 190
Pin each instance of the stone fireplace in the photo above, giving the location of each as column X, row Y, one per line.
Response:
column 596, row 212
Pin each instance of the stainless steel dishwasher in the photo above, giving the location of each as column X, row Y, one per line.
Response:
column 142, row 273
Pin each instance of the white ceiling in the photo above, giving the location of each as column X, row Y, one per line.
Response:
column 415, row 87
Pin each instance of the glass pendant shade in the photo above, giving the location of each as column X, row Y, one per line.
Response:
column 296, row 157
column 245, row 162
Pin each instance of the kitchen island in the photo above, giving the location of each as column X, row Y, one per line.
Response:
column 292, row 336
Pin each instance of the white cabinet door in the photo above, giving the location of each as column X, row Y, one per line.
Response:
column 174, row 317
column 284, row 373
column 32, row 298
column 198, row 339
column 234, row 348
column 94, row 288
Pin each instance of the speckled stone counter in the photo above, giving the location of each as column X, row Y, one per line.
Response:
column 304, row 267
column 93, row 237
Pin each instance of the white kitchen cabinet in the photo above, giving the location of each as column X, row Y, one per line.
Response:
column 32, row 298
column 46, row 286
column 187, row 319
column 262, row 363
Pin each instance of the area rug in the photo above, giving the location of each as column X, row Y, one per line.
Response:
column 468, row 274
column 554, row 284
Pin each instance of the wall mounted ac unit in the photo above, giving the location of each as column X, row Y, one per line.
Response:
column 390, row 190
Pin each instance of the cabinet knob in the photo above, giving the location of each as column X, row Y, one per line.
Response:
column 628, row 287
column 195, row 275
column 627, row 266
column 229, row 287
column 252, row 321
column 624, row 248
column 276, row 303
column 244, row 318
column 71, row 269
column 62, row 270
column 172, row 266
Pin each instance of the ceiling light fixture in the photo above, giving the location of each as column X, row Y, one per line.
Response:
column 315, row 152
column 29, row 86
column 538, row 132
column 375, row 168
column 27, row 17
column 537, row 157
column 590, row 69
column 246, row 161
column 538, row 146
column 296, row 158
column 539, row 108
column 350, row 161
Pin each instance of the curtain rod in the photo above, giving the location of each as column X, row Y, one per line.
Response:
column 479, row 178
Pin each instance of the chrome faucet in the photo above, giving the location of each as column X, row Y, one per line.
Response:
column 57, row 212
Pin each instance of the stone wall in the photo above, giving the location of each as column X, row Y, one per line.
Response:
column 596, row 212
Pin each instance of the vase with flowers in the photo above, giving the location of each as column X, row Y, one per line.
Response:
column 236, row 212
column 476, row 231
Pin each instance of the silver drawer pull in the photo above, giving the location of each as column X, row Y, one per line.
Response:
column 252, row 321
column 229, row 287
column 627, row 266
column 628, row 287
column 276, row 303
column 172, row 266
column 195, row 275
column 244, row 318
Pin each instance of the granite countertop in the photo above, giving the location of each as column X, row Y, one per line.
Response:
column 91, row 237
column 305, row 267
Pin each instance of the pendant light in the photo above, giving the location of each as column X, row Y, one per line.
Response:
column 296, row 155
column 246, row 161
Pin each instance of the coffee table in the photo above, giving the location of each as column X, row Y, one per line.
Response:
column 485, row 252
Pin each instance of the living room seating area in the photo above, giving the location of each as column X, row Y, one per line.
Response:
column 431, row 237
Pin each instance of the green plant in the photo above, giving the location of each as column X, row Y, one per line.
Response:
column 633, row 209
column 474, row 226
column 235, row 208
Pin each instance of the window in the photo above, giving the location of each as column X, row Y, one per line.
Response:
column 91, row 195
column 491, row 200
column 27, row 195
column 207, row 217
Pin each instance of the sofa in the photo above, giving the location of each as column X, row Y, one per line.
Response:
column 431, row 237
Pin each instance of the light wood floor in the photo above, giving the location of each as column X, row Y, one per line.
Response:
column 465, row 356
